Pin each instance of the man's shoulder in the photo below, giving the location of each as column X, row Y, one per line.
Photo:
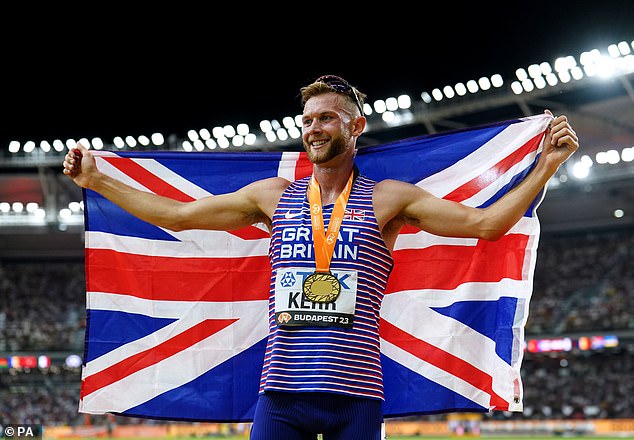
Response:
column 390, row 185
column 268, row 190
column 271, row 184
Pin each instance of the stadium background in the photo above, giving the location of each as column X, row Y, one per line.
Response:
column 578, row 365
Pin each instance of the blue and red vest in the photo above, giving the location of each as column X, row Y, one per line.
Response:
column 315, row 347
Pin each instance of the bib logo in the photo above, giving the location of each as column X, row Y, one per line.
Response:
column 283, row 318
column 288, row 280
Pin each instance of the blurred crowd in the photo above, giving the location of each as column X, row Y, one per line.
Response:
column 583, row 283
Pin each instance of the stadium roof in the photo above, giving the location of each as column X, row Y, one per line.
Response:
column 180, row 69
column 115, row 84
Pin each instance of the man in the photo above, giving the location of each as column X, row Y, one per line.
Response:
column 322, row 371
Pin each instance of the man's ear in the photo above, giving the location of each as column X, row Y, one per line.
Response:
column 360, row 123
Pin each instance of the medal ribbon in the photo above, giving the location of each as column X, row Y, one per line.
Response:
column 324, row 242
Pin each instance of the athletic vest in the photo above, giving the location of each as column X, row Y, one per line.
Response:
column 326, row 351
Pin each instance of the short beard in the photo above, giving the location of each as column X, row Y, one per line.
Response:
column 337, row 146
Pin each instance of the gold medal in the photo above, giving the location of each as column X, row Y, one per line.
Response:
column 322, row 287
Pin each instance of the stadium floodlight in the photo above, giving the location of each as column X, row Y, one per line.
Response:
column 204, row 134
column 192, row 135
column 391, row 104
column 187, row 146
column 242, row 129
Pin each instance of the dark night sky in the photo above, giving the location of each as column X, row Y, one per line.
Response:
column 119, row 77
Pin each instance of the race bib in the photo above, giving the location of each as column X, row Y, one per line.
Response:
column 292, row 308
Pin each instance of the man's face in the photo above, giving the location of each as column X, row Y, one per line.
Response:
column 326, row 127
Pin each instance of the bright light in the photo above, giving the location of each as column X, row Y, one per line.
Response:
column 552, row 80
column 627, row 155
column 223, row 142
column 158, row 139
column 484, row 83
column 613, row 157
column 97, row 143
column 391, row 104
column 534, row 71
column 242, row 129
column 388, row 116
column 586, row 160
column 131, row 141
column 380, row 106
column 39, row 214
column 528, row 85
column 461, row 89
column 540, row 82
column 229, row 131
column 564, row 76
column 282, row 134
column 404, row 101
column 516, row 87
column 624, row 48
column 580, row 170
column 497, row 80
column 29, row 146
column 58, row 145
column 237, row 140
column 619, row 213
column 118, row 142
column 204, row 134
column 288, row 122
column 192, row 135
column 250, row 138
column 198, row 144
column 218, row 132
column 521, row 74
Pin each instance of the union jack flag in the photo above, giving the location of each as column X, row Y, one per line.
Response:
column 177, row 321
column 354, row 214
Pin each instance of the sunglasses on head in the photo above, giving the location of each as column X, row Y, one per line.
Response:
column 341, row 86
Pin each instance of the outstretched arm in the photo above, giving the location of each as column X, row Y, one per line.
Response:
column 254, row 203
column 409, row 204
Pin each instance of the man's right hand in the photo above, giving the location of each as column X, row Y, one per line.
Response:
column 79, row 165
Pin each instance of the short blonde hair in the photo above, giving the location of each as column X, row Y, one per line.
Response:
column 334, row 84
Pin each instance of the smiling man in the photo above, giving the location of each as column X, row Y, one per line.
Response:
column 332, row 236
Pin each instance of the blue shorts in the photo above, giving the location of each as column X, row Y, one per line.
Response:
column 302, row 416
